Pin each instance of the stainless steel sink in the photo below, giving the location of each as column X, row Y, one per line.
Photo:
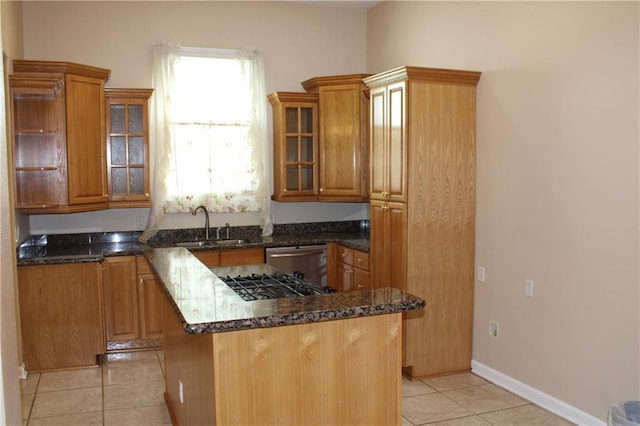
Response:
column 227, row 242
column 193, row 244
column 189, row 244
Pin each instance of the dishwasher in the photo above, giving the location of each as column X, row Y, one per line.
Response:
column 307, row 262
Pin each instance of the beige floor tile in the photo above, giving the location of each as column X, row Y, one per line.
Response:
column 414, row 387
column 133, row 372
column 455, row 381
column 82, row 419
column 406, row 422
column 133, row 395
column 526, row 415
column 120, row 358
column 463, row 421
column 26, row 401
column 30, row 384
column 484, row 398
column 157, row 415
column 431, row 407
column 70, row 379
column 73, row 401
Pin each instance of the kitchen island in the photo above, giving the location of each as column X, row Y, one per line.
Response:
column 328, row 359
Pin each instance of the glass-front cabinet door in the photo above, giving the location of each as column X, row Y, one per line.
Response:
column 295, row 127
column 128, row 147
column 39, row 152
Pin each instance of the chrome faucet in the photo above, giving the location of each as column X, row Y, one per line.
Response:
column 206, row 220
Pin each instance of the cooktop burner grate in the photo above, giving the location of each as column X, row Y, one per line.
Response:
column 273, row 286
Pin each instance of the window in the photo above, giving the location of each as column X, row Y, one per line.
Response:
column 209, row 133
column 210, row 119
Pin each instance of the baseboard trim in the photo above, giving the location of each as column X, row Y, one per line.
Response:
column 22, row 371
column 529, row 393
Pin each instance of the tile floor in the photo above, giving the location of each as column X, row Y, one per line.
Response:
column 128, row 390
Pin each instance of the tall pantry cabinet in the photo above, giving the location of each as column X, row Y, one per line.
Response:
column 422, row 212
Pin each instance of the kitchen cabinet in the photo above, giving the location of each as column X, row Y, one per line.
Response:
column 422, row 208
column 388, row 244
column 127, row 147
column 241, row 256
column 61, row 316
column 353, row 269
column 388, row 142
column 58, row 136
column 132, row 301
column 343, row 137
column 295, row 146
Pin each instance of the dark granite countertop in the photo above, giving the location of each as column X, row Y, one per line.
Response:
column 93, row 247
column 205, row 304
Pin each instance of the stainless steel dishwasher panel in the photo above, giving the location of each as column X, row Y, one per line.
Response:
column 311, row 261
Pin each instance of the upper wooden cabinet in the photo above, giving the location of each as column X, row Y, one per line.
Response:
column 388, row 142
column 295, row 146
column 58, row 124
column 128, row 147
column 422, row 208
column 343, row 137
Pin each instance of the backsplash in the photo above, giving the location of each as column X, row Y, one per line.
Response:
column 194, row 234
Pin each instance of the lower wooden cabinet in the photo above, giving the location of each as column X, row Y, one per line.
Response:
column 352, row 269
column 132, row 301
column 61, row 315
column 245, row 256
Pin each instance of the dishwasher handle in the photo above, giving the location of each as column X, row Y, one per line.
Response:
column 296, row 254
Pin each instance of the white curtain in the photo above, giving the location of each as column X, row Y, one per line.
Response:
column 164, row 159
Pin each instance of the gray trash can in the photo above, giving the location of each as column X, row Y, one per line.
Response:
column 624, row 413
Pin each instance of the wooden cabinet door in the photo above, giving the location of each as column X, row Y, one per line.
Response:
column 345, row 277
column 397, row 143
column 61, row 315
column 86, row 140
column 377, row 134
column 295, row 146
column 248, row 256
column 388, row 244
column 388, row 143
column 121, row 298
column 396, row 251
column 127, row 147
column 150, row 299
column 39, row 150
column 343, row 145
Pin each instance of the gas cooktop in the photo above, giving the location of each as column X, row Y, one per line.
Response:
column 270, row 286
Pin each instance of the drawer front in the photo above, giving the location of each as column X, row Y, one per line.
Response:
column 361, row 259
column 345, row 255
column 360, row 279
column 142, row 266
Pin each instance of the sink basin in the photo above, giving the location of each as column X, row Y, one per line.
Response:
column 195, row 244
column 227, row 242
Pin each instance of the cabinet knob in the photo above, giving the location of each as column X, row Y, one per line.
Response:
column 360, row 286
column 321, row 189
column 146, row 194
column 284, row 190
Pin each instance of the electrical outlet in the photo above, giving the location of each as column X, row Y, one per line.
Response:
column 480, row 274
column 528, row 288
column 494, row 329
column 181, row 392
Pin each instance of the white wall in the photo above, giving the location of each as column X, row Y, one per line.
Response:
column 557, row 181
column 298, row 41
column 10, row 354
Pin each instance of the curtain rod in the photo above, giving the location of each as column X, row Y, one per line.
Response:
column 196, row 51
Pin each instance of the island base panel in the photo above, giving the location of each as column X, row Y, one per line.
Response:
column 333, row 373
